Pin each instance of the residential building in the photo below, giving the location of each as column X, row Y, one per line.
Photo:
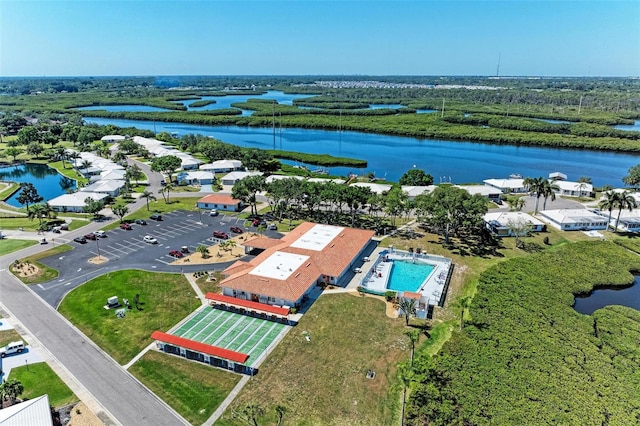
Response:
column 574, row 219
column 220, row 202
column 500, row 222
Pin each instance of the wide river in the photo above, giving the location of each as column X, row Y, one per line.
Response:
column 391, row 156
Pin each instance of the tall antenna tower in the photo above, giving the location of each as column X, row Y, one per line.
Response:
column 498, row 67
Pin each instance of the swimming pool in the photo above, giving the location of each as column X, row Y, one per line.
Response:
column 408, row 276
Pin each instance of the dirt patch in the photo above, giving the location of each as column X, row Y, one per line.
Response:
column 25, row 269
column 82, row 416
column 217, row 253
column 97, row 260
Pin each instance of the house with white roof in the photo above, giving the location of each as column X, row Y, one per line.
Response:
column 486, row 191
column 326, row 180
column 36, row 411
column 414, row 191
column 109, row 187
column 75, row 202
column 629, row 221
column 272, row 178
column 288, row 269
column 574, row 189
column 110, row 174
column 574, row 219
column 220, row 166
column 508, row 186
column 376, row 188
column 113, row 138
column 158, row 149
column 235, row 177
column 196, row 177
column 499, row 223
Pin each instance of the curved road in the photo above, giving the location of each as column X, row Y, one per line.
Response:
column 123, row 399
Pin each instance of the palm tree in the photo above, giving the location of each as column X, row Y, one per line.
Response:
column 168, row 187
column 462, row 304
column 12, row 389
column 61, row 153
column 37, row 211
column 625, row 201
column 408, row 307
column 203, row 250
column 549, row 191
column 414, row 336
column 148, row 196
column 281, row 410
column 85, row 165
column 536, row 186
column 608, row 202
column 516, row 203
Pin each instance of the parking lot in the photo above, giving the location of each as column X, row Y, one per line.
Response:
column 126, row 249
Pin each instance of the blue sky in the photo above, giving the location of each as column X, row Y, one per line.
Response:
column 183, row 37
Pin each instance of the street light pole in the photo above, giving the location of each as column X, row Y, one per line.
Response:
column 98, row 247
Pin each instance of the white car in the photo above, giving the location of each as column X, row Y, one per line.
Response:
column 100, row 234
column 12, row 348
column 149, row 239
column 213, row 212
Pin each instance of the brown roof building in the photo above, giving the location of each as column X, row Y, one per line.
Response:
column 288, row 269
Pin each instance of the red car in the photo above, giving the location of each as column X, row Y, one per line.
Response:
column 91, row 236
column 236, row 229
column 175, row 253
column 221, row 235
column 126, row 226
column 259, row 222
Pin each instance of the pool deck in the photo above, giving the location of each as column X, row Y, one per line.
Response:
column 378, row 271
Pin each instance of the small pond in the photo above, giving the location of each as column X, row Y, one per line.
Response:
column 626, row 296
column 47, row 181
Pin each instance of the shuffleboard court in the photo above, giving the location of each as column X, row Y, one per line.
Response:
column 229, row 330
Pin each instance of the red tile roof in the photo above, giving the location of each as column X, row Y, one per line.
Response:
column 248, row 304
column 411, row 295
column 200, row 347
column 261, row 242
column 227, row 200
column 331, row 261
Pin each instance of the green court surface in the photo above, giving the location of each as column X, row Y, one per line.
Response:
column 228, row 330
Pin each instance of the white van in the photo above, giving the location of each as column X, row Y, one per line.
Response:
column 12, row 348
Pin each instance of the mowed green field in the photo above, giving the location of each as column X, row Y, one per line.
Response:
column 228, row 330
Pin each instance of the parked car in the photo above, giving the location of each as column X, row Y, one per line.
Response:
column 236, row 229
column 272, row 227
column 126, row 226
column 221, row 235
column 259, row 222
column 81, row 240
column 149, row 239
column 91, row 236
column 100, row 234
column 64, row 226
column 155, row 216
column 175, row 253
column 214, row 212
column 56, row 229
column 12, row 348
column 140, row 222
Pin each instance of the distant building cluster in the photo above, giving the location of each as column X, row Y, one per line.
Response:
column 372, row 84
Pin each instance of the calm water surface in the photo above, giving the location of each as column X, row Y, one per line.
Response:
column 49, row 183
column 391, row 156
column 635, row 127
column 124, row 108
column 629, row 296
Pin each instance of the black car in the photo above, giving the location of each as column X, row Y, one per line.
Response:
column 81, row 240
column 155, row 216
column 141, row 222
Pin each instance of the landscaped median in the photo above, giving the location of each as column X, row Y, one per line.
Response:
column 30, row 271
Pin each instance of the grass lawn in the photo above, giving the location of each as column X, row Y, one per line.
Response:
column 193, row 389
column 45, row 273
column 207, row 286
column 32, row 225
column 10, row 245
column 165, row 300
column 7, row 336
column 323, row 381
column 7, row 189
column 39, row 379
column 68, row 171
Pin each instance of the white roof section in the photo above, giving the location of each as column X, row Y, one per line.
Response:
column 568, row 216
column 76, row 199
column 318, row 237
column 280, row 265
column 503, row 218
column 35, row 411
column 505, row 183
column 222, row 165
column 113, row 138
column 104, row 186
column 414, row 191
column 159, row 149
column 557, row 175
column 240, row 175
column 113, row 174
column 325, row 180
column 574, row 186
column 196, row 174
column 271, row 178
column 484, row 190
column 377, row 188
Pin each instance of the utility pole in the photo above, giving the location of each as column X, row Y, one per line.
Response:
column 442, row 114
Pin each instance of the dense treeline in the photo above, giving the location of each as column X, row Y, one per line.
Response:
column 527, row 357
column 318, row 159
